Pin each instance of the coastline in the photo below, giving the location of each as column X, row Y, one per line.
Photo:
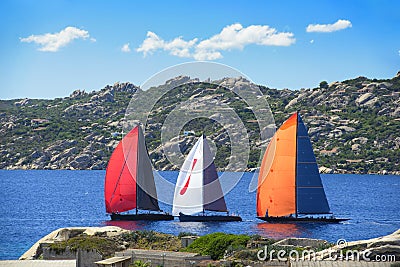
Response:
column 322, row 170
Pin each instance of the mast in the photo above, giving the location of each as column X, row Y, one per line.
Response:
column 137, row 160
column 295, row 165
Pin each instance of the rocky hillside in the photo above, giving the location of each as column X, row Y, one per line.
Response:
column 353, row 125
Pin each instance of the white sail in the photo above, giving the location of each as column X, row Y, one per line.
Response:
column 188, row 197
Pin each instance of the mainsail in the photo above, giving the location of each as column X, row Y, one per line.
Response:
column 289, row 181
column 129, row 182
column 197, row 187
column 310, row 193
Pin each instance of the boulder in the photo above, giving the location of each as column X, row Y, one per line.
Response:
column 360, row 140
column 396, row 113
column 124, row 87
column 346, row 128
column 355, row 147
column 82, row 158
column 78, row 94
column 371, row 102
column 107, row 96
column 82, row 161
column 384, row 85
column 291, row 103
column 363, row 98
column 323, row 169
column 35, row 155
column 386, row 245
column 69, row 152
column 22, row 103
column 60, row 145
column 314, row 131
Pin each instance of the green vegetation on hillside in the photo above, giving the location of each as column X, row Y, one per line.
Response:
column 353, row 125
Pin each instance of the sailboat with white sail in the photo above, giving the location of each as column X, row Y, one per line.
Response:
column 198, row 189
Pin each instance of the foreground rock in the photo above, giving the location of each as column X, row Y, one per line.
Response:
column 371, row 249
column 64, row 234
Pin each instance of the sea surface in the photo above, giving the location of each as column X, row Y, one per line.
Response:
column 34, row 203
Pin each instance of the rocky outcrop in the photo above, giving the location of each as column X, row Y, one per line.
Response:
column 78, row 94
column 106, row 96
column 64, row 234
column 22, row 103
column 367, row 249
column 325, row 170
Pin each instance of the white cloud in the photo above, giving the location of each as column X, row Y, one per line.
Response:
column 234, row 36
column 312, row 41
column 125, row 48
column 177, row 47
column 52, row 42
column 341, row 24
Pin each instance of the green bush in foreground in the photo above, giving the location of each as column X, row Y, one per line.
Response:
column 103, row 245
column 216, row 244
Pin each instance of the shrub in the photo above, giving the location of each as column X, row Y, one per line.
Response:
column 216, row 244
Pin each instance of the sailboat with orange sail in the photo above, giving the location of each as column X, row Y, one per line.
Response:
column 289, row 184
column 129, row 182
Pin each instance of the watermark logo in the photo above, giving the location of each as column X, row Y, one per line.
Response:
column 341, row 243
column 338, row 253
column 210, row 93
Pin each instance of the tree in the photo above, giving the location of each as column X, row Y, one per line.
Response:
column 323, row 84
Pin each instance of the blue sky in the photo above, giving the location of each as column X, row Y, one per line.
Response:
column 281, row 44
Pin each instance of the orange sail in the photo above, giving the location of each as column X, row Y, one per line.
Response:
column 276, row 193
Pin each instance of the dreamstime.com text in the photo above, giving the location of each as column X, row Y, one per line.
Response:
column 333, row 255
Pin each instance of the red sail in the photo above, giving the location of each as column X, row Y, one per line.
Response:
column 120, row 181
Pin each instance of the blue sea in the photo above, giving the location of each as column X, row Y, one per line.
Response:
column 34, row 203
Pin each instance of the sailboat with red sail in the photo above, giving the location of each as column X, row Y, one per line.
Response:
column 129, row 181
column 198, row 188
column 289, row 183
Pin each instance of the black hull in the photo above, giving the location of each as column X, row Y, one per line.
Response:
column 209, row 218
column 141, row 217
column 303, row 219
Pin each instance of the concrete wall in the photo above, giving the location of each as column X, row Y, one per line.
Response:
column 84, row 258
column 50, row 254
column 187, row 240
column 171, row 259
